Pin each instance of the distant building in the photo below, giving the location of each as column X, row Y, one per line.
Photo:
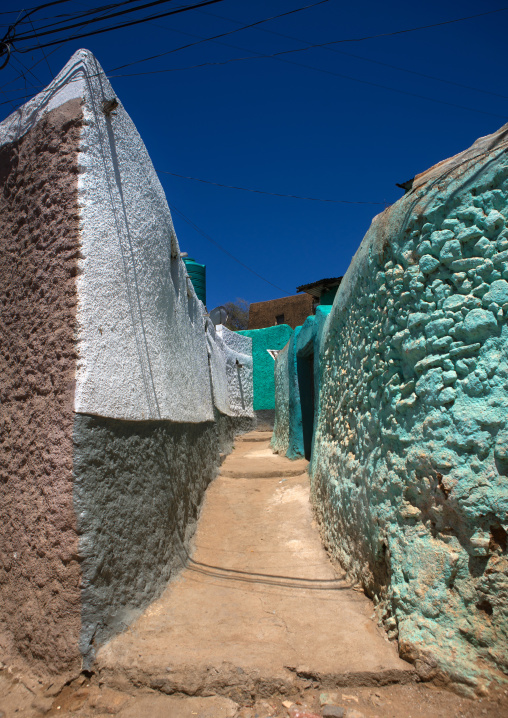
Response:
column 323, row 291
column 292, row 311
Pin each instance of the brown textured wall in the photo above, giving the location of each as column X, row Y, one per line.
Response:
column 39, row 571
column 296, row 309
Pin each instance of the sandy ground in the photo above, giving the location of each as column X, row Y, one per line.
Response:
column 259, row 624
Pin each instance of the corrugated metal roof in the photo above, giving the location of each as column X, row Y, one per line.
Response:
column 316, row 289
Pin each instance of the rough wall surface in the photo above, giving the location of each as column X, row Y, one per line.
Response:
column 140, row 325
column 138, row 488
column 108, row 428
column 263, row 372
column 411, row 449
column 39, row 569
column 287, row 436
column 295, row 309
column 288, row 433
column 239, row 371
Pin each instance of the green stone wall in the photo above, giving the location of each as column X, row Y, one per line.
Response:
column 410, row 462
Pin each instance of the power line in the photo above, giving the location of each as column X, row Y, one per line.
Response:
column 323, row 44
column 122, row 25
column 297, row 64
column 215, row 37
column 309, row 67
column 361, row 57
column 260, row 191
column 223, row 249
column 28, row 36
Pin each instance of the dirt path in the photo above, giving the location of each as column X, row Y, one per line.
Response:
column 258, row 625
column 260, row 603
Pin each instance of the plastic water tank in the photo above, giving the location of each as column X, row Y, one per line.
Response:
column 197, row 274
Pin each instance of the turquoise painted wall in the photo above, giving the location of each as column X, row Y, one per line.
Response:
column 289, row 428
column 410, row 461
column 263, row 373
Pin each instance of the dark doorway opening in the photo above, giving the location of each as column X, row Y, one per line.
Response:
column 305, row 368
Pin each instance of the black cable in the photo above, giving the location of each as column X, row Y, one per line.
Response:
column 125, row 24
column 260, row 191
column 114, row 27
column 31, row 67
column 43, row 53
column 223, row 249
column 215, row 37
column 361, row 57
column 325, row 44
column 28, row 36
column 309, row 67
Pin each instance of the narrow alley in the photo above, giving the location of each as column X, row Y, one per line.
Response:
column 259, row 602
column 259, row 624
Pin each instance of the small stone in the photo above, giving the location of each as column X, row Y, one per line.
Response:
column 287, row 704
column 428, row 264
column 108, row 700
column 478, row 325
column 41, row 705
column 301, row 712
column 333, row 712
column 346, row 697
column 451, row 250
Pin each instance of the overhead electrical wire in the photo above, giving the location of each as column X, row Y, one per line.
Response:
column 361, row 57
column 324, row 44
column 122, row 25
column 86, row 13
column 223, row 249
column 317, row 69
column 222, row 34
column 260, row 191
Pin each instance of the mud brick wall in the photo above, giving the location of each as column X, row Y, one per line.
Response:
column 39, row 569
column 411, row 448
column 295, row 309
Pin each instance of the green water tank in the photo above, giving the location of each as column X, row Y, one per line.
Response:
column 197, row 274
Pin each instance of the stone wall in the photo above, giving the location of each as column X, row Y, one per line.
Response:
column 297, row 387
column 411, row 447
column 138, row 488
column 39, row 246
column 113, row 420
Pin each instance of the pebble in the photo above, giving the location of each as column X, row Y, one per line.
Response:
column 301, row 712
column 333, row 712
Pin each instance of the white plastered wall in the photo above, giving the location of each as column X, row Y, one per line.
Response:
column 143, row 352
column 142, row 341
column 238, row 355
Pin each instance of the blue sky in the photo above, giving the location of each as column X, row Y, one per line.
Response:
column 332, row 129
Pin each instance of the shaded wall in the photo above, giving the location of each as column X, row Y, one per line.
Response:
column 138, row 488
column 410, row 460
column 287, row 436
column 297, row 387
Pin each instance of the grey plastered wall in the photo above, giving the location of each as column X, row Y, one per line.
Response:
column 137, row 491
